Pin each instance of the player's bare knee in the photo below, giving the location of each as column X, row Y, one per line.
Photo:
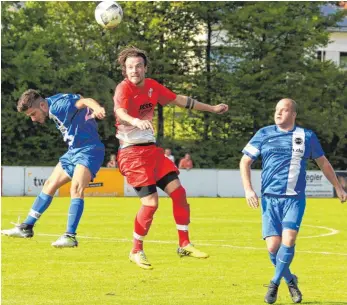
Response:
column 76, row 190
column 49, row 186
column 273, row 247
column 289, row 238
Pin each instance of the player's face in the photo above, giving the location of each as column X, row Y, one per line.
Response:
column 284, row 114
column 135, row 70
column 37, row 114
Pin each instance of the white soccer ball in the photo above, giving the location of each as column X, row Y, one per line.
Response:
column 108, row 14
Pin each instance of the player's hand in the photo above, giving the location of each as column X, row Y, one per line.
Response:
column 341, row 194
column 143, row 124
column 220, row 108
column 99, row 113
column 252, row 199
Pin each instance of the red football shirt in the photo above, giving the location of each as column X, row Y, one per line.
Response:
column 140, row 103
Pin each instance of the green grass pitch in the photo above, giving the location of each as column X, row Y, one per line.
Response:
column 98, row 271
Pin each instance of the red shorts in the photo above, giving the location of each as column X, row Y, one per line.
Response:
column 144, row 165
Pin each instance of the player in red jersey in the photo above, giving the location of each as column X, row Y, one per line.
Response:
column 140, row 160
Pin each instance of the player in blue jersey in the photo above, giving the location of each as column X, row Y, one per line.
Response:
column 74, row 117
column 285, row 149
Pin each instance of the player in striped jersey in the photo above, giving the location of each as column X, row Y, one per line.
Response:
column 74, row 117
column 285, row 149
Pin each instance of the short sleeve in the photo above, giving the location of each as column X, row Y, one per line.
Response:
column 316, row 148
column 252, row 149
column 64, row 105
column 165, row 95
column 121, row 97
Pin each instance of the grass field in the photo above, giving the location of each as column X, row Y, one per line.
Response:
column 98, row 271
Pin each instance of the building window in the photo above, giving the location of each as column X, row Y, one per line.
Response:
column 343, row 60
column 321, row 55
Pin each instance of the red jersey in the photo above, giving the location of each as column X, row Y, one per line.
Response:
column 139, row 103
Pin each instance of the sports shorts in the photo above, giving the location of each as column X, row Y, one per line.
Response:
column 144, row 165
column 91, row 156
column 279, row 213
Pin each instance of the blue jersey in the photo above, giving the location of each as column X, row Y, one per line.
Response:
column 78, row 127
column 284, row 157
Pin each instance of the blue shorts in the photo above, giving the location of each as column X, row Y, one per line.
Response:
column 91, row 156
column 279, row 213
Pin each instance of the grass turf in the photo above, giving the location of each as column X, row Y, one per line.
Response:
column 98, row 271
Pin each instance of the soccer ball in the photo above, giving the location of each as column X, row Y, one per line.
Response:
column 108, row 14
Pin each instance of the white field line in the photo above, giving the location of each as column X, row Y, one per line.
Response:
column 332, row 232
column 113, row 240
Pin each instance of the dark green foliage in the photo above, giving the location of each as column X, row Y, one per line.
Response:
column 255, row 54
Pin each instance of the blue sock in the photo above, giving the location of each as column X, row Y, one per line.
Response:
column 283, row 259
column 287, row 275
column 40, row 205
column 75, row 213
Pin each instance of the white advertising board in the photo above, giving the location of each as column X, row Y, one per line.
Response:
column 35, row 178
column 12, row 181
column 317, row 185
column 230, row 184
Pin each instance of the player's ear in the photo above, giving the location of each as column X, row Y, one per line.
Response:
column 44, row 106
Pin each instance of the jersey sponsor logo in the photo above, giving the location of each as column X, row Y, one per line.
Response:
column 298, row 141
column 281, row 150
column 146, row 106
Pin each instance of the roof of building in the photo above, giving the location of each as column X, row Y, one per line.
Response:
column 331, row 9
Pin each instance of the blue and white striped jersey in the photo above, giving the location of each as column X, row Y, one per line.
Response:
column 77, row 126
column 284, row 156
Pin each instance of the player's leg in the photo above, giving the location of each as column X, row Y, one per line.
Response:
column 82, row 165
column 80, row 180
column 271, row 231
column 41, row 203
column 169, row 182
column 137, row 164
column 143, row 221
column 273, row 243
column 292, row 217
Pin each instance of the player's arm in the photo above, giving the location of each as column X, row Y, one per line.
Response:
column 329, row 173
column 245, row 170
column 190, row 103
column 98, row 111
column 123, row 115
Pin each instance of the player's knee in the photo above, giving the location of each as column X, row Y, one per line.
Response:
column 273, row 248
column 179, row 193
column 289, row 237
column 76, row 190
column 50, row 186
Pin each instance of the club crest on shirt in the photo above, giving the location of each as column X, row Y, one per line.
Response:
column 298, row 141
column 150, row 91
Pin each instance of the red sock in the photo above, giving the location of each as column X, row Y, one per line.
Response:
column 143, row 221
column 181, row 214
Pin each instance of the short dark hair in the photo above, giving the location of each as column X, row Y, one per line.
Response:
column 131, row 52
column 30, row 98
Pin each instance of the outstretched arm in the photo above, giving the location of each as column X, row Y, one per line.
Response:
column 329, row 173
column 190, row 103
column 98, row 111
column 245, row 169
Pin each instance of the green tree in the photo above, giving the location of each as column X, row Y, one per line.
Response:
column 276, row 58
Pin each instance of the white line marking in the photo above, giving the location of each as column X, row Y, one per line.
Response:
column 332, row 232
column 200, row 244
